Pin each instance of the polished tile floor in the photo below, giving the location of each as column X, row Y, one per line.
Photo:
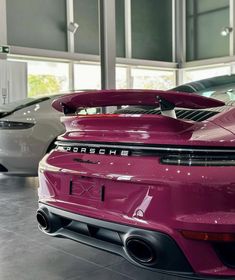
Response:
column 27, row 254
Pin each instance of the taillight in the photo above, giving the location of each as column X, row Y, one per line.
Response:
column 15, row 125
column 208, row 236
column 198, row 160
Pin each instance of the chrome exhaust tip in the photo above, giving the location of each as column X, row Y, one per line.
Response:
column 43, row 220
column 48, row 222
column 140, row 250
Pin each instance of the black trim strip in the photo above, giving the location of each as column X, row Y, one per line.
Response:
column 148, row 147
column 102, row 193
column 70, row 186
column 170, row 155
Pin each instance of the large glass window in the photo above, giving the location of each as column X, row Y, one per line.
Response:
column 121, row 78
column 204, row 23
column 87, row 76
column 199, row 74
column 47, row 77
column 142, row 78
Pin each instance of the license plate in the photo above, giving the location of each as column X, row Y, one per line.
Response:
column 85, row 188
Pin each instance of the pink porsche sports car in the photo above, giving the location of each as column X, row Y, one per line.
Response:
column 153, row 182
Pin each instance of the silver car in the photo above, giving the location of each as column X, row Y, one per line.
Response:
column 28, row 129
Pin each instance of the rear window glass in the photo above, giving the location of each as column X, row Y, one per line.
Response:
column 20, row 104
column 221, row 88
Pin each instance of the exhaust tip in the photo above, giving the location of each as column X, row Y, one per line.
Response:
column 42, row 220
column 140, row 250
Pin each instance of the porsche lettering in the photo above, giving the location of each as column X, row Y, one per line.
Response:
column 99, row 151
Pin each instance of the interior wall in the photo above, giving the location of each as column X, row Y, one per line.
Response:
column 120, row 28
column 42, row 25
column 37, row 24
column 86, row 14
column 152, row 29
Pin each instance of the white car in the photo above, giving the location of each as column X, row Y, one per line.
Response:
column 28, row 129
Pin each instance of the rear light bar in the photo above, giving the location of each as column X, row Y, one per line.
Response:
column 199, row 160
column 208, row 236
column 169, row 155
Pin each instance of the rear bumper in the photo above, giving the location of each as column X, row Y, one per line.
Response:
column 193, row 199
column 162, row 252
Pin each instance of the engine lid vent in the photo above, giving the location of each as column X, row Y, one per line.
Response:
column 193, row 115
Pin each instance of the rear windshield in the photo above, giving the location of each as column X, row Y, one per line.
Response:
column 20, row 104
column 221, row 88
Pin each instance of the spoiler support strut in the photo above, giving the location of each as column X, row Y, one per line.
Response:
column 167, row 108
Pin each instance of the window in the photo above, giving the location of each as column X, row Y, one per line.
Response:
column 204, row 22
column 47, row 77
column 199, row 74
column 87, row 76
column 121, row 78
column 142, row 78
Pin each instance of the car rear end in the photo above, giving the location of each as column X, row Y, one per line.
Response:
column 145, row 186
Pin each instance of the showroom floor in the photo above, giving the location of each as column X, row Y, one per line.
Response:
column 28, row 254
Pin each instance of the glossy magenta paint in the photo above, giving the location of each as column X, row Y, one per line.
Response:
column 134, row 97
column 141, row 191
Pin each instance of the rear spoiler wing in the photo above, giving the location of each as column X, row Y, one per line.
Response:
column 166, row 100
